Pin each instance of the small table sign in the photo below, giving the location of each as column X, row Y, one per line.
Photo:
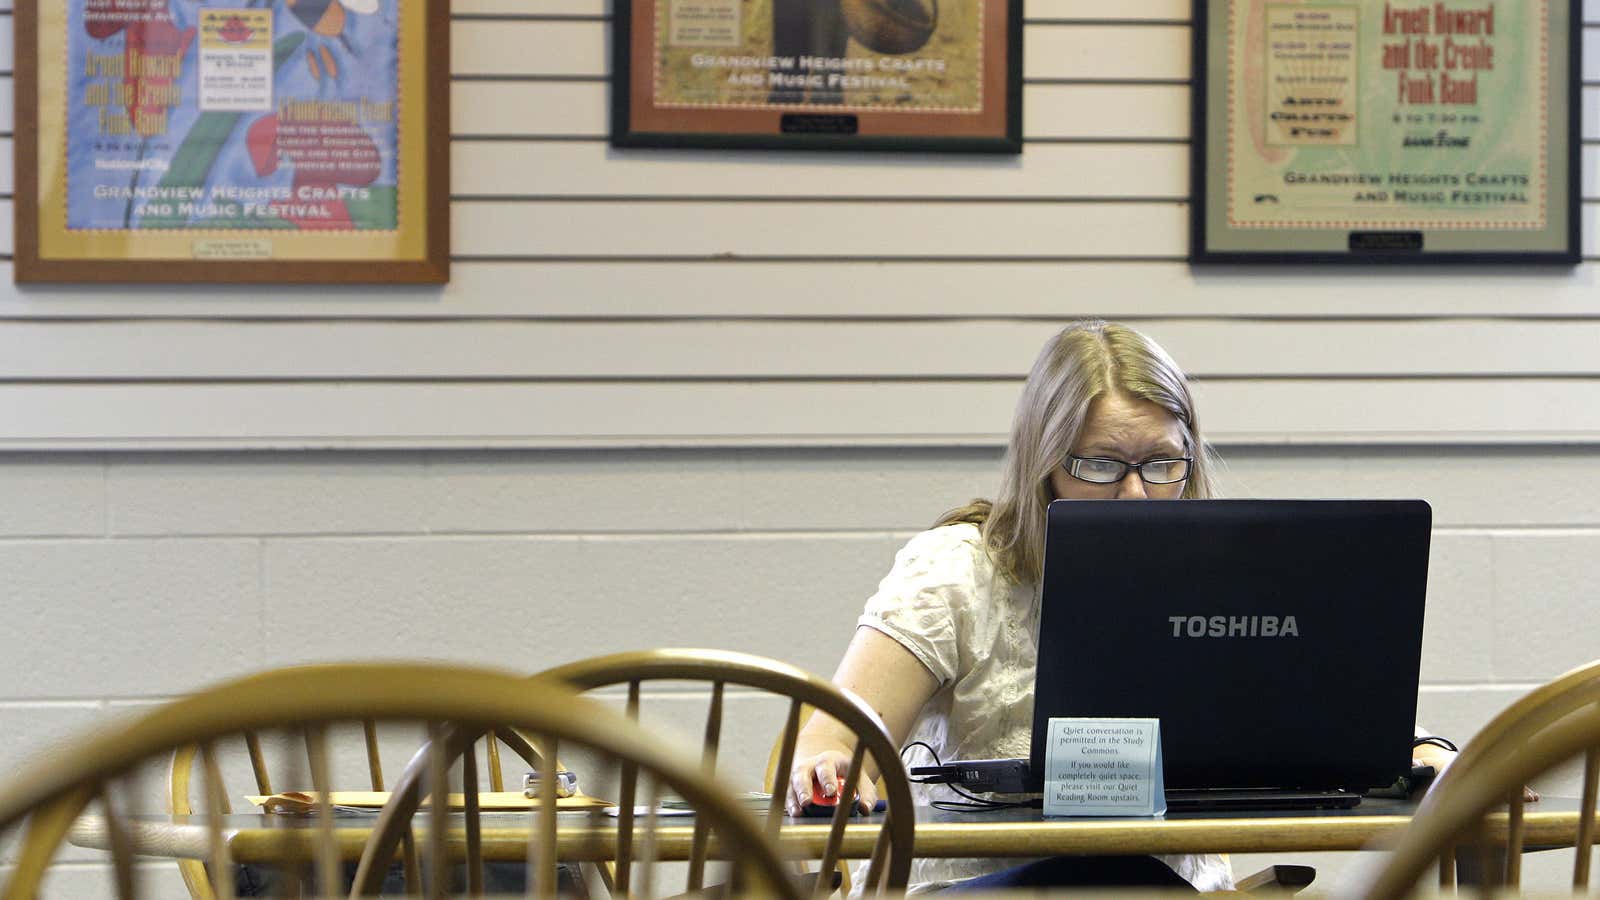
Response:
column 1104, row 767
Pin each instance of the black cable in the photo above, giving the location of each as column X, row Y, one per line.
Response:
column 973, row 803
column 1436, row 741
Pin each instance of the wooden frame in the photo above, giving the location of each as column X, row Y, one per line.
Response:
column 1368, row 132
column 211, row 142
column 836, row 75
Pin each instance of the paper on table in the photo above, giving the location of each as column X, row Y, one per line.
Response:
column 305, row 802
column 642, row 811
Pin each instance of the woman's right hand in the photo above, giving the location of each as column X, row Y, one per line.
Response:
column 828, row 767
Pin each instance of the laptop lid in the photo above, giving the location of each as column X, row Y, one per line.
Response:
column 1278, row 641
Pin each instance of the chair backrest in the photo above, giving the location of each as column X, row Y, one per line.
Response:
column 53, row 792
column 842, row 868
column 1550, row 726
column 892, row 852
column 184, row 798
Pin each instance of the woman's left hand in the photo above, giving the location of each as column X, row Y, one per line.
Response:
column 1440, row 759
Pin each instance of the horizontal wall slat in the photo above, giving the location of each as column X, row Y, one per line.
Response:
column 530, row 109
column 590, row 169
column 43, row 416
column 1129, row 290
column 1158, row 112
column 523, row 7
column 1124, row 112
column 1050, row 111
column 865, row 230
column 1172, row 10
column 931, row 230
column 203, row 351
column 1044, row 9
column 1105, row 52
column 1139, row 51
column 560, row 48
column 562, row 168
column 927, row 230
column 582, row 48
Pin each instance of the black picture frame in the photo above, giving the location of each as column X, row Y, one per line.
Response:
column 990, row 123
column 1218, row 237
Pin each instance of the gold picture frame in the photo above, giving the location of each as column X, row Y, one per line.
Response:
column 232, row 141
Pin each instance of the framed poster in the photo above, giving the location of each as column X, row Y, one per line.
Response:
column 232, row 140
column 835, row 74
column 1386, row 131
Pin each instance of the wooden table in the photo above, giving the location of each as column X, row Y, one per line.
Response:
column 269, row 839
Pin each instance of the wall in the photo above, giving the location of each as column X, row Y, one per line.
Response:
column 694, row 398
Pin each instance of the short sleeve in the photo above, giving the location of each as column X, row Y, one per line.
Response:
column 920, row 603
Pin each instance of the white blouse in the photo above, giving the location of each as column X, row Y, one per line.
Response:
column 977, row 632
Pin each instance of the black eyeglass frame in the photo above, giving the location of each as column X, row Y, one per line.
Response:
column 1071, row 465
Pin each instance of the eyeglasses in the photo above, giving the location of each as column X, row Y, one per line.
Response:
column 1100, row 470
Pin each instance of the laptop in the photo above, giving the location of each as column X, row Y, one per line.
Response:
column 1278, row 641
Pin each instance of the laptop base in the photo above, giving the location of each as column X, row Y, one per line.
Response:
column 1181, row 800
column 1012, row 776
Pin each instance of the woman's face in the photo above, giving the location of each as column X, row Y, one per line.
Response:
column 1129, row 430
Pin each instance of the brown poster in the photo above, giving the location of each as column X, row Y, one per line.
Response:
column 858, row 74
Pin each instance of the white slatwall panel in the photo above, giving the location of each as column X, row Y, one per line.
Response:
column 299, row 415
column 749, row 286
column 770, row 350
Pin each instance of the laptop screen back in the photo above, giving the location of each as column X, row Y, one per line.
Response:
column 1278, row 641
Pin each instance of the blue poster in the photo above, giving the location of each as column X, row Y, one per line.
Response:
column 233, row 114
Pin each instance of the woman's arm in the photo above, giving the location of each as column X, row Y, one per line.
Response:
column 894, row 683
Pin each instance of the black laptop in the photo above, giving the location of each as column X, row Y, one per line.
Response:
column 1278, row 641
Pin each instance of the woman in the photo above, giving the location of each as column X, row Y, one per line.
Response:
column 945, row 650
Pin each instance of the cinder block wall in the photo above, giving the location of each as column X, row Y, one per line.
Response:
column 131, row 578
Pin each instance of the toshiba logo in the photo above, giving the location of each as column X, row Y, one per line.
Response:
column 1233, row 626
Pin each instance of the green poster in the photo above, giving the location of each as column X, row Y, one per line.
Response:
column 1387, row 128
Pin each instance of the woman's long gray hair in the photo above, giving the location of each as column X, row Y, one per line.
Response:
column 1084, row 361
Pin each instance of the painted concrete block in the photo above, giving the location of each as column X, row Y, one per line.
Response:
column 253, row 493
column 500, row 600
column 565, row 491
column 1458, row 623
column 127, row 618
column 52, row 496
column 1546, row 602
column 896, row 488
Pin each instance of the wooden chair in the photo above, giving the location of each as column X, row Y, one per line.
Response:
column 53, row 792
column 183, row 800
column 1554, row 724
column 892, row 852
